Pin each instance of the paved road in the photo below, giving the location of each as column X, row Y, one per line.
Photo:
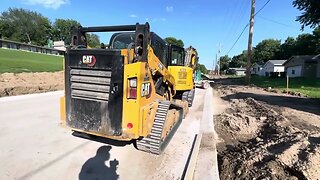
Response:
column 34, row 146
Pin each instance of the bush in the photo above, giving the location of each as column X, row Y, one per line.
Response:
column 275, row 74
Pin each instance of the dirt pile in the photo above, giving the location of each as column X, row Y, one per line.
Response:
column 26, row 83
column 260, row 143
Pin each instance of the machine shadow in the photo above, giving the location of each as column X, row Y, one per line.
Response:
column 102, row 140
column 96, row 168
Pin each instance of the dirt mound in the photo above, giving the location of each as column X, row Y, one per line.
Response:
column 26, row 83
column 260, row 143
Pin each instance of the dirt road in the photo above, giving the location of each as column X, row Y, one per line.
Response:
column 266, row 135
column 33, row 146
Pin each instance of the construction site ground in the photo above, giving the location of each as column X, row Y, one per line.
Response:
column 34, row 145
column 259, row 135
column 26, row 83
column 264, row 135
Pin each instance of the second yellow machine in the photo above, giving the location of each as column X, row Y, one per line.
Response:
column 181, row 65
column 124, row 92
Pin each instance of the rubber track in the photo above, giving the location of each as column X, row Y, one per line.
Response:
column 190, row 97
column 153, row 143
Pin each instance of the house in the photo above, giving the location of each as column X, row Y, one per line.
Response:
column 59, row 45
column 8, row 44
column 237, row 71
column 273, row 66
column 257, row 69
column 303, row 66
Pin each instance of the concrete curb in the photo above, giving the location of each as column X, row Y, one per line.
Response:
column 29, row 96
column 207, row 161
column 193, row 159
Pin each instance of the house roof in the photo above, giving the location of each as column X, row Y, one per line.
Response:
column 257, row 64
column 277, row 62
column 302, row 58
column 30, row 45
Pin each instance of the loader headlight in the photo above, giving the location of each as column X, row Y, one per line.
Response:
column 132, row 89
column 133, row 82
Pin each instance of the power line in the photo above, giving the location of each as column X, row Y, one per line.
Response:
column 234, row 13
column 247, row 26
column 276, row 22
column 238, row 38
column 262, row 8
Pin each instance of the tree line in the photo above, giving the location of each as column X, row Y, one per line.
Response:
column 304, row 44
column 27, row 26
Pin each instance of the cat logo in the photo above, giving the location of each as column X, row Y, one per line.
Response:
column 89, row 60
column 145, row 89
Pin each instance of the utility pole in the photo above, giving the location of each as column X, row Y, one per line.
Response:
column 217, row 65
column 218, row 59
column 248, row 73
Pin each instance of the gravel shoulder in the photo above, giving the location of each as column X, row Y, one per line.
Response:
column 265, row 135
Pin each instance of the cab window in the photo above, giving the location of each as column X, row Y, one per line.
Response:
column 177, row 56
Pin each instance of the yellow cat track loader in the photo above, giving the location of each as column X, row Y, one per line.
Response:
column 123, row 92
column 181, row 66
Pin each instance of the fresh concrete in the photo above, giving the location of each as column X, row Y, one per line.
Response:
column 207, row 164
column 34, row 146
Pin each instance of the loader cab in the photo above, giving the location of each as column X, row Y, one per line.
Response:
column 126, row 39
column 176, row 55
column 178, row 68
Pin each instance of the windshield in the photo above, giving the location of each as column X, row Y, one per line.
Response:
column 177, row 57
column 121, row 41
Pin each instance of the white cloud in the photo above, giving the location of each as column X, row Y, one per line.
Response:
column 54, row 4
column 169, row 8
column 155, row 20
column 163, row 19
column 133, row 16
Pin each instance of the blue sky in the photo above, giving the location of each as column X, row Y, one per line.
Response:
column 200, row 23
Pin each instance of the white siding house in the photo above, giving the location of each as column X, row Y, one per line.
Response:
column 273, row 66
column 303, row 66
column 294, row 71
column 237, row 71
column 257, row 69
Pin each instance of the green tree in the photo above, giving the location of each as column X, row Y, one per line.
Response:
column 288, row 48
column 202, row 68
column 224, row 62
column 305, row 45
column 62, row 29
column 310, row 12
column 316, row 38
column 172, row 40
column 239, row 60
column 25, row 26
column 93, row 40
column 266, row 50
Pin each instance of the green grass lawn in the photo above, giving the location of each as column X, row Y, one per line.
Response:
column 21, row 61
column 307, row 86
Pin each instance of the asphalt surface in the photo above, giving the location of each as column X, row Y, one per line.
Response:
column 34, row 146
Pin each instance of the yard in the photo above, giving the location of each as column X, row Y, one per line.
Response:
column 16, row 61
column 306, row 86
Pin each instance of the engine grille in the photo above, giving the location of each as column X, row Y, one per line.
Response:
column 90, row 84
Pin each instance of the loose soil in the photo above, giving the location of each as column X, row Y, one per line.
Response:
column 27, row 83
column 264, row 135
